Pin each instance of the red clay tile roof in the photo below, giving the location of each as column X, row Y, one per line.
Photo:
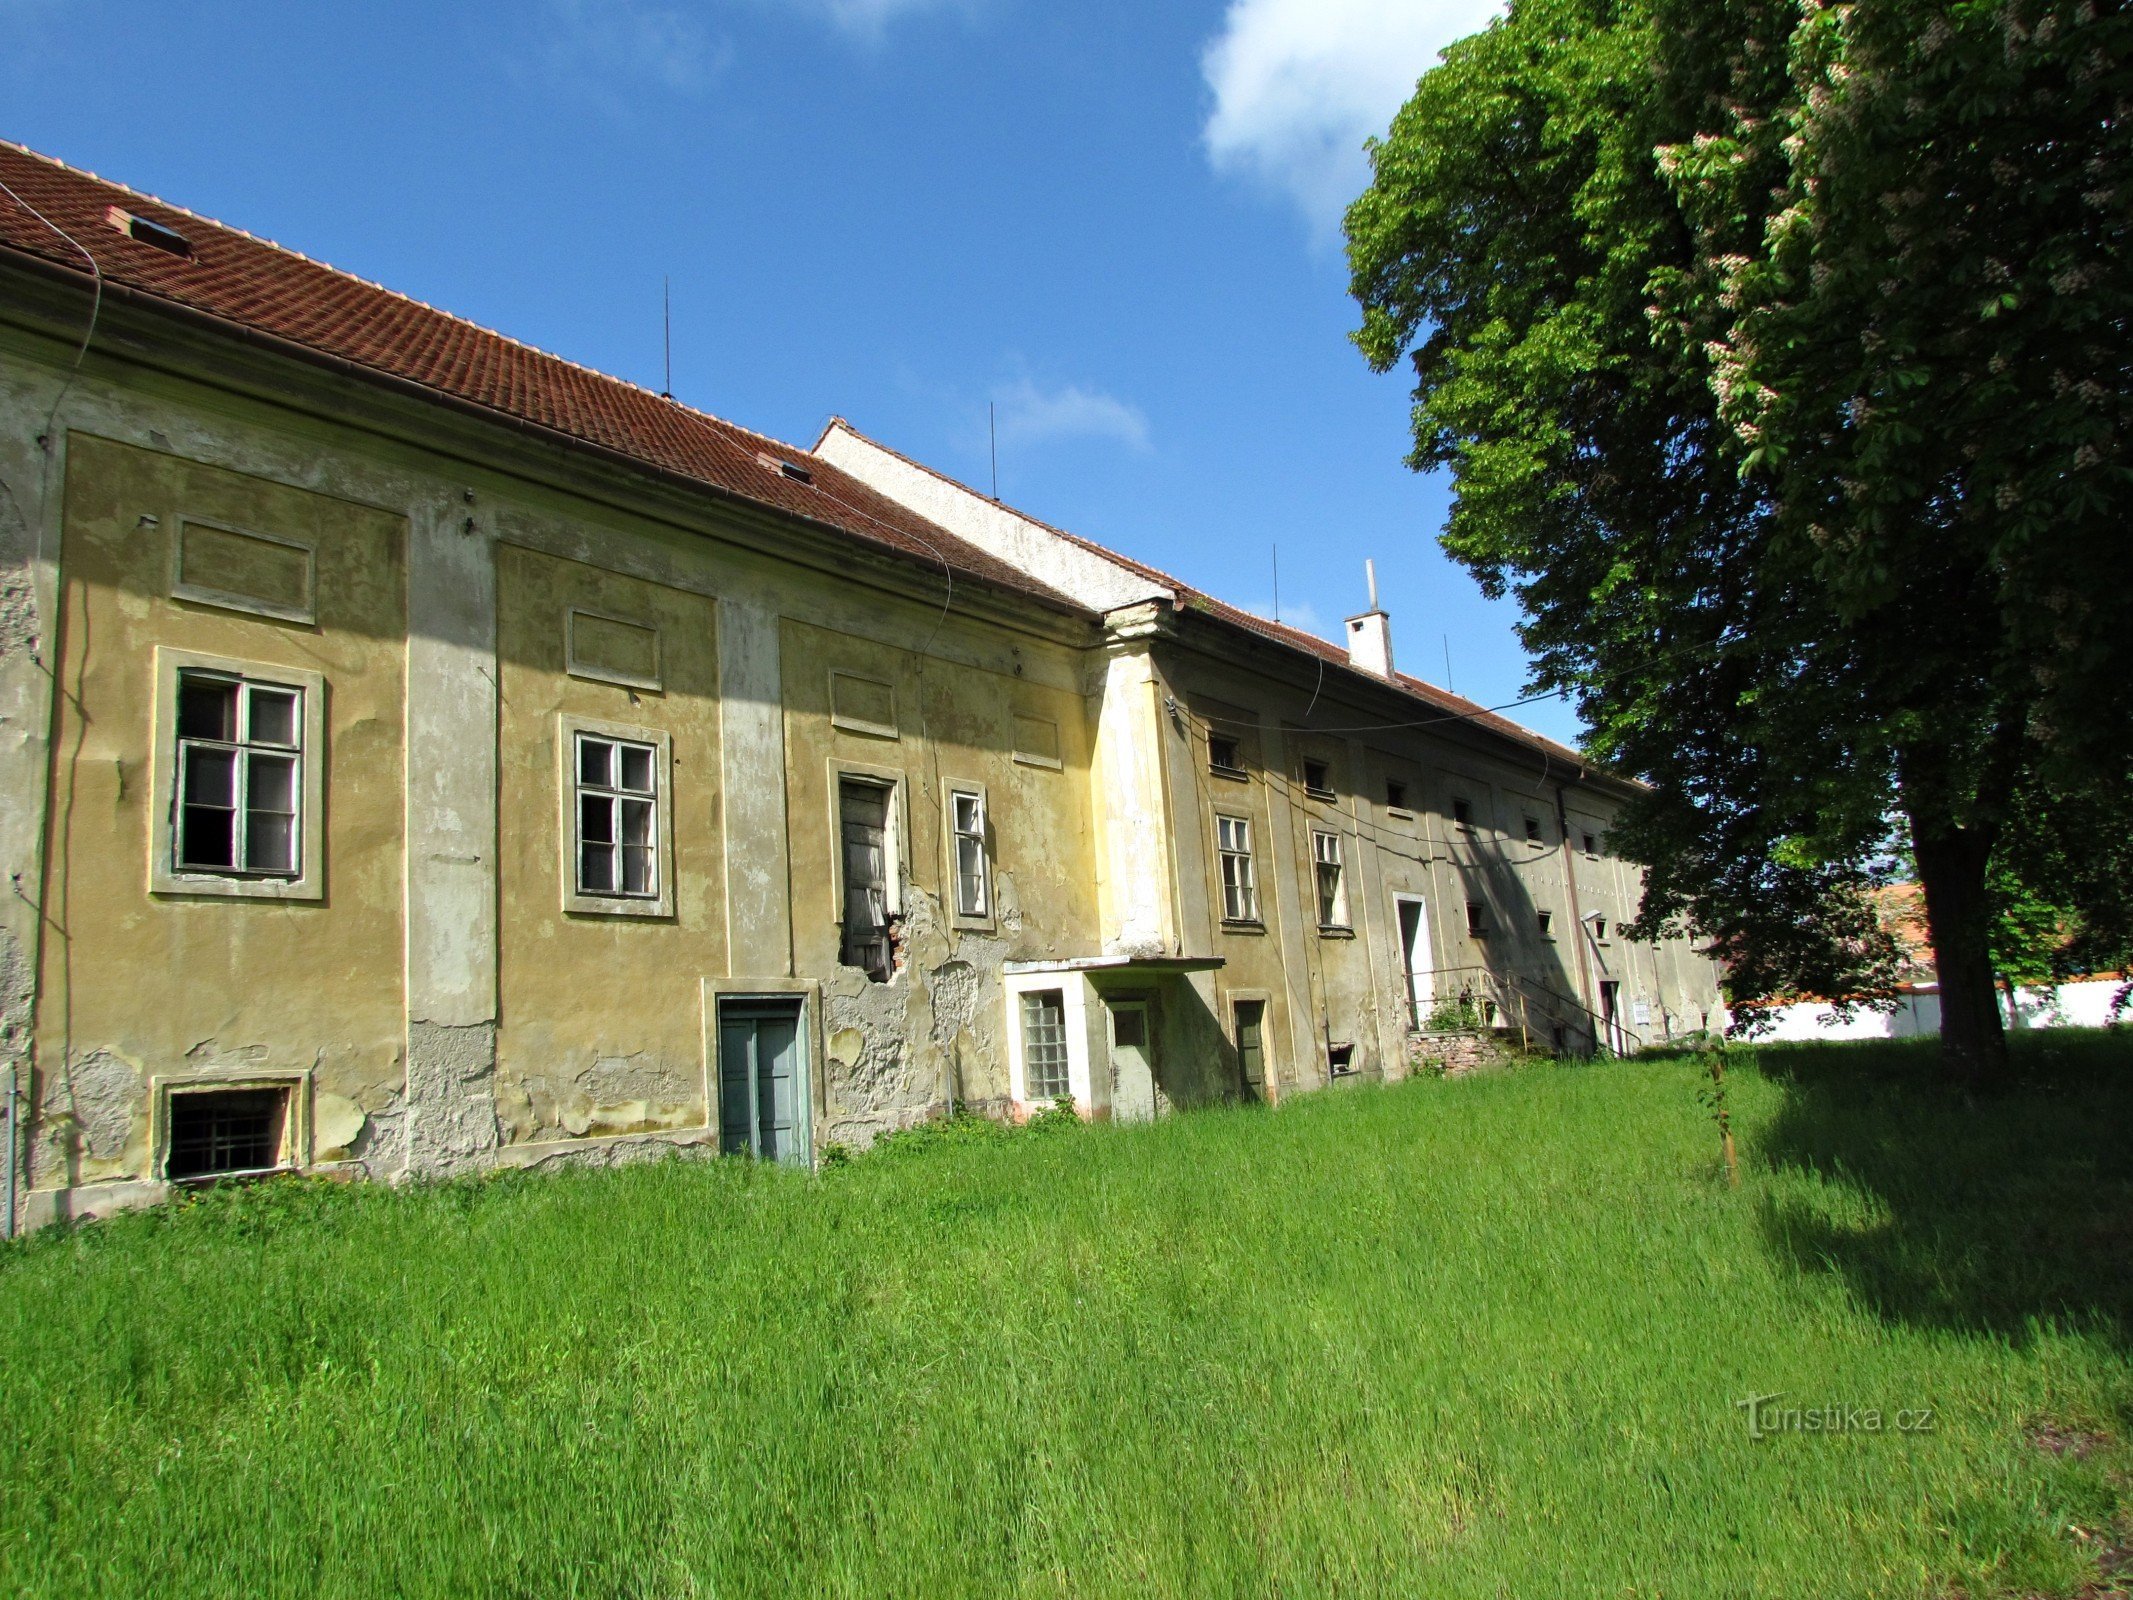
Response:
column 234, row 276
column 1444, row 706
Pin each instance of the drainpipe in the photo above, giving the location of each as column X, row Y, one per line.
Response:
column 1586, row 998
column 7, row 1162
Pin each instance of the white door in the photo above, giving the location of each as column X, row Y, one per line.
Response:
column 1132, row 1063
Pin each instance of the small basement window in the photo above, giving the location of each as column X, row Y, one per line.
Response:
column 219, row 1132
column 1340, row 1060
column 1222, row 753
column 1317, row 779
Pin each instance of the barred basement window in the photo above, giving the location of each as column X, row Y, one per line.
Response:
column 966, row 821
column 215, row 1132
column 1240, row 890
column 1332, row 886
column 618, row 818
column 240, row 749
column 1044, row 1044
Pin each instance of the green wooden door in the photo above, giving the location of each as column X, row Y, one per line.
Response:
column 762, row 1082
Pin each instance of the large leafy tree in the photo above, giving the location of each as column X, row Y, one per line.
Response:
column 1779, row 354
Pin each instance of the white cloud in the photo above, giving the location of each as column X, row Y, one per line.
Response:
column 869, row 19
column 1026, row 414
column 1299, row 84
column 604, row 43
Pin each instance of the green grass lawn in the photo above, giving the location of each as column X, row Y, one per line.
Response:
column 1448, row 1338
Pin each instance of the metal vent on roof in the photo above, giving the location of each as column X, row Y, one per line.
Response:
column 788, row 469
column 153, row 234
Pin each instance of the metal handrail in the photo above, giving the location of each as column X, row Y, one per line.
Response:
column 1514, row 991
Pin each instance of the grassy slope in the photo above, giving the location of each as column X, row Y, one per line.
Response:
column 1477, row 1338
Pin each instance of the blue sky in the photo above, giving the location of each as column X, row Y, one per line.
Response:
column 1114, row 222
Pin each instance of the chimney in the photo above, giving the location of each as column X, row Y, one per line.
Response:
column 1370, row 635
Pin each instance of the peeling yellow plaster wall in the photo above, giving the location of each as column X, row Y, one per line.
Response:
column 138, row 985
column 896, row 1048
column 601, row 1024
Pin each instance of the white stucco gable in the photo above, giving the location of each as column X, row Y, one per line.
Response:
column 1076, row 569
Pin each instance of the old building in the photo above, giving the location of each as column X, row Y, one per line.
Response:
column 423, row 754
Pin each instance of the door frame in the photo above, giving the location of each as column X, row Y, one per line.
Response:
column 808, row 991
column 1413, row 981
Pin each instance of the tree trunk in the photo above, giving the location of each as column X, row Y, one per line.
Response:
column 1951, row 870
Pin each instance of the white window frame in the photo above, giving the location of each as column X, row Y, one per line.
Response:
column 576, row 900
column 1242, row 907
column 165, row 875
column 953, row 834
column 1326, row 852
column 1081, row 1049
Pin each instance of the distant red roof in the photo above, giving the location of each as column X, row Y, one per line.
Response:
column 231, row 275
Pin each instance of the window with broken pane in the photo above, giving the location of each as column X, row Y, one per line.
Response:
column 966, row 820
column 240, row 753
column 1240, row 889
column 1332, row 887
column 863, row 812
column 618, row 818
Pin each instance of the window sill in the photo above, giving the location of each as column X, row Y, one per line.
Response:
column 1399, row 814
column 1335, row 930
column 1320, row 794
column 587, row 905
column 1233, row 774
column 1243, row 925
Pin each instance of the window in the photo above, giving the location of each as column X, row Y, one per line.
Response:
column 240, row 750
column 1317, row 781
column 1395, row 795
column 863, row 821
column 1222, row 753
column 1592, row 845
column 1044, row 1044
column 214, row 1132
column 1599, row 927
column 1546, row 919
column 1533, row 830
column 1251, row 1042
column 1462, row 813
column 1332, row 890
column 1240, row 892
column 238, row 779
column 966, row 826
column 618, row 818
column 1477, row 926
